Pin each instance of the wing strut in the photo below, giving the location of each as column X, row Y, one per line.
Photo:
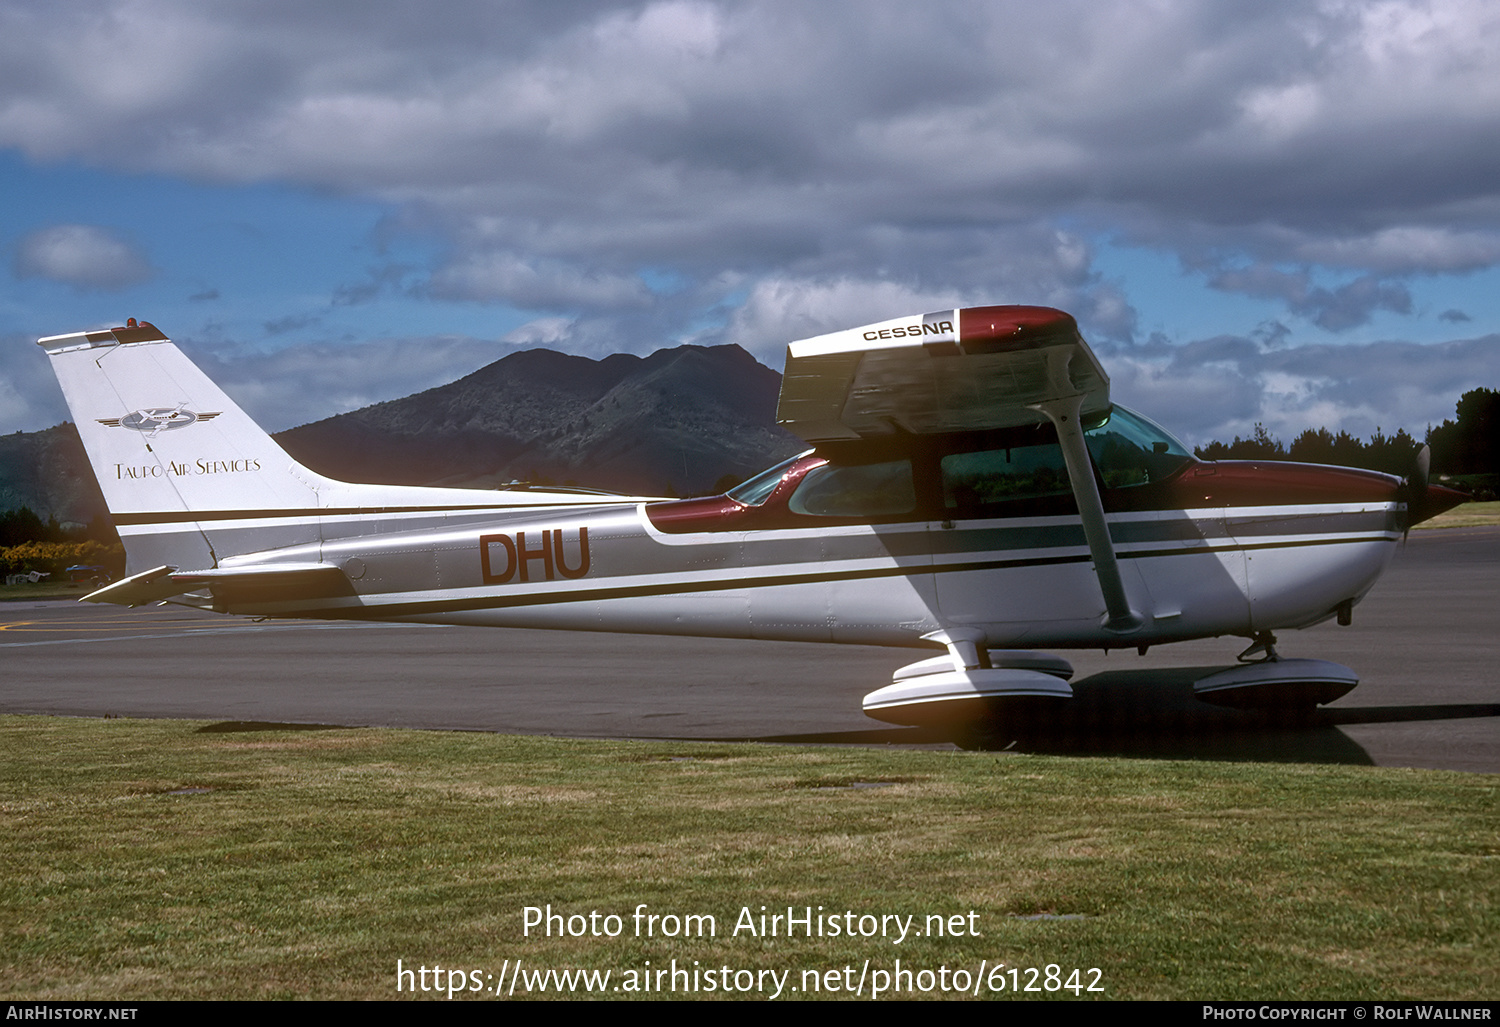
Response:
column 1065, row 414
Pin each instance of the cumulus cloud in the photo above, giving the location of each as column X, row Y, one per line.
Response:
column 1338, row 309
column 535, row 284
column 29, row 393
column 1353, row 303
column 544, row 332
column 794, row 167
column 888, row 274
column 299, row 384
column 781, row 310
column 1406, row 248
column 86, row 257
column 1219, row 388
column 754, row 134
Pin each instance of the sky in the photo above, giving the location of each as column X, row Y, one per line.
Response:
column 1260, row 211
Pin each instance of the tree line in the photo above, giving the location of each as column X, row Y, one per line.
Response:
column 24, row 525
column 1468, row 445
column 28, row 543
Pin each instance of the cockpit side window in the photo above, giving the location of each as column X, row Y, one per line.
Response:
column 977, row 481
column 856, row 490
column 1017, row 471
column 1026, row 465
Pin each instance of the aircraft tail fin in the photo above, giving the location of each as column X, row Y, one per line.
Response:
column 190, row 480
column 174, row 454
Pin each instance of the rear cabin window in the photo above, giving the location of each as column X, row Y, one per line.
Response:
column 856, row 490
column 756, row 490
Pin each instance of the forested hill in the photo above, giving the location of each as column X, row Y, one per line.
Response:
column 46, row 473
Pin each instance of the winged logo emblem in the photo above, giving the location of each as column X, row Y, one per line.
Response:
column 152, row 421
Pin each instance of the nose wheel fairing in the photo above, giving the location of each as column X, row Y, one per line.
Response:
column 1266, row 681
column 1277, row 684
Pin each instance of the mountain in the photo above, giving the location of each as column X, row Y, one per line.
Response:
column 47, row 472
column 679, row 421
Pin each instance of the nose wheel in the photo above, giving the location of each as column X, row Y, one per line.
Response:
column 1269, row 682
column 1261, row 649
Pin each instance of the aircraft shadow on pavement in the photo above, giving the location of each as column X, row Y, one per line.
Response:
column 1153, row 714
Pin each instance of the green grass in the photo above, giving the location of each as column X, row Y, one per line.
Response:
column 1470, row 515
column 305, row 863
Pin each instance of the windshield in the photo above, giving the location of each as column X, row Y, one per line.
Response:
column 1131, row 450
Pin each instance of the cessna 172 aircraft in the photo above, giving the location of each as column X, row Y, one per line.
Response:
column 970, row 486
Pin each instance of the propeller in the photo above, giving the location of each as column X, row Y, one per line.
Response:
column 1414, row 488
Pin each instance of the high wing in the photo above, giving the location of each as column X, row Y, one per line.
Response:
column 967, row 369
column 951, row 370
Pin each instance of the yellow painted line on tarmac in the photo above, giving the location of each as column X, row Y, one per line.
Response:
column 74, row 626
column 207, row 629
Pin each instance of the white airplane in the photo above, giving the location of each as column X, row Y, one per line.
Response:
column 970, row 487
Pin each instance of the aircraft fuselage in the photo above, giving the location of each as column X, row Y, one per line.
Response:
column 1217, row 548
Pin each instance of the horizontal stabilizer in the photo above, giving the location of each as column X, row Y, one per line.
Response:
column 232, row 586
column 271, row 583
column 138, row 589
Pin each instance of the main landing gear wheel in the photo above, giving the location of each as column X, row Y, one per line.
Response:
column 975, row 703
